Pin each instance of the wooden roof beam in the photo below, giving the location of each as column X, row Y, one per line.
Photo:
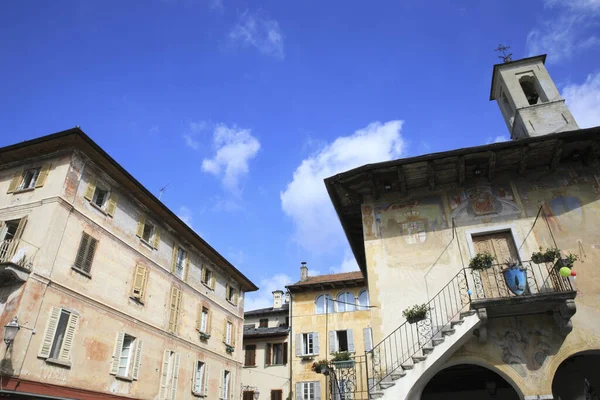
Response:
column 460, row 167
column 401, row 179
column 374, row 191
column 431, row 175
column 558, row 149
column 352, row 195
column 492, row 165
column 523, row 160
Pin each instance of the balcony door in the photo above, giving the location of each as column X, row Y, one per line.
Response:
column 502, row 246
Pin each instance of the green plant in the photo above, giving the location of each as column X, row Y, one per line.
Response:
column 482, row 261
column 318, row 365
column 567, row 261
column 341, row 356
column 416, row 313
column 547, row 256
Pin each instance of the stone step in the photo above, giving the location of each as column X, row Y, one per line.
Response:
column 385, row 385
column 427, row 349
column 417, row 359
column 448, row 331
column 437, row 341
column 457, row 322
column 375, row 395
column 398, row 374
column 467, row 313
column 407, row 366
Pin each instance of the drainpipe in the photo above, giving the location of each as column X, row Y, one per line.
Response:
column 290, row 347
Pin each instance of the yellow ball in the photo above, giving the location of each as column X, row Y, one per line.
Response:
column 565, row 271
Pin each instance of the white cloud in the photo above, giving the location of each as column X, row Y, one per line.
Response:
column 584, row 101
column 348, row 264
column 235, row 147
column 185, row 214
column 571, row 31
column 216, row 5
column 190, row 136
column 305, row 199
column 264, row 297
column 259, row 31
column 190, row 141
column 497, row 139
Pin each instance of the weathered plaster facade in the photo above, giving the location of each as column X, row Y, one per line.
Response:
column 57, row 214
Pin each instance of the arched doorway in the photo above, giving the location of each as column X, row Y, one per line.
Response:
column 578, row 378
column 468, row 382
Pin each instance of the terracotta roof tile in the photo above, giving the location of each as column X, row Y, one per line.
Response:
column 344, row 276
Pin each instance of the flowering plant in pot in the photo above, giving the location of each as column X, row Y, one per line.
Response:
column 482, row 261
column 540, row 257
column 416, row 313
column 567, row 261
column 342, row 359
column 321, row 366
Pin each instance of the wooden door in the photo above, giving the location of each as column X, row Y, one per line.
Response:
column 276, row 394
column 502, row 246
column 248, row 395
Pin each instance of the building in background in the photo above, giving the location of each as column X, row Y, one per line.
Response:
column 519, row 327
column 330, row 314
column 114, row 295
column 266, row 372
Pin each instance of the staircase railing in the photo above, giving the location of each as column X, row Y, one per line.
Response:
column 408, row 339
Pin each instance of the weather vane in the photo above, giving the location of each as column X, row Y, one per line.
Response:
column 505, row 57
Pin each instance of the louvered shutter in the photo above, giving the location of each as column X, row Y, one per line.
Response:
column 139, row 281
column 83, row 244
column 114, row 367
column 65, row 351
column 285, row 353
column 89, row 256
column 222, row 395
column 233, row 335
column 12, row 249
column 90, row 189
column 175, row 377
column 332, row 342
column 203, row 274
column 206, row 381
column 299, row 395
column 316, row 343
column 227, row 290
column 174, row 258
column 172, row 308
column 350, row 337
column 196, row 383
column 236, row 296
column 317, row 386
column 156, row 237
column 42, row 176
column 49, row 332
column 112, row 204
column 14, row 183
column 140, row 226
column 186, row 266
column 164, row 376
column 209, row 322
column 199, row 318
column 231, row 386
column 298, row 345
column 137, row 360
column 368, row 339
column 267, row 354
column 212, row 281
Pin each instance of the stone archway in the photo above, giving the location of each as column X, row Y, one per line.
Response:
column 578, row 377
column 468, row 382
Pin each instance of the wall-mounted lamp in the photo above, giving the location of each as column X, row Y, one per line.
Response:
column 10, row 331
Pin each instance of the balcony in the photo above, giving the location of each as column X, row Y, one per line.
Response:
column 16, row 261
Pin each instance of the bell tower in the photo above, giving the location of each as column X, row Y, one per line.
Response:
column 528, row 98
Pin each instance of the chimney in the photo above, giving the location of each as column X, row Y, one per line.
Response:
column 277, row 298
column 303, row 271
column 287, row 297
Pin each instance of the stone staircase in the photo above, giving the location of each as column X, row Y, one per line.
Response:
column 404, row 381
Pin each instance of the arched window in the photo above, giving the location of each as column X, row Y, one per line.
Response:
column 345, row 302
column 363, row 300
column 530, row 89
column 320, row 304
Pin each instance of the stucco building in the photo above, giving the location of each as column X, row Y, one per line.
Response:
column 516, row 330
column 266, row 372
column 330, row 314
column 115, row 296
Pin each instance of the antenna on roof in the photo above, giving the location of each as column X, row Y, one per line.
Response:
column 505, row 57
column 160, row 192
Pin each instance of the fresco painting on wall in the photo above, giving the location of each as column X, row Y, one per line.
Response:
column 483, row 201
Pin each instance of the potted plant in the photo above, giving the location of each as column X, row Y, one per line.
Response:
column 567, row 261
column 229, row 348
column 540, row 257
column 343, row 359
column 204, row 336
column 321, row 366
column 482, row 261
column 416, row 313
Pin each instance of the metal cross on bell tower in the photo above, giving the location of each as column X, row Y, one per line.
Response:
column 505, row 57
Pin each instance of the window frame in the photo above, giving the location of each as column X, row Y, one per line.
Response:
column 226, row 384
column 181, row 263
column 231, row 294
column 229, row 333
column 308, row 391
column 260, row 322
column 50, row 334
column 308, row 343
column 359, row 305
column 94, row 200
column 250, row 349
column 141, row 271
column 200, row 367
column 151, row 236
column 208, row 277
column 36, row 171
column 345, row 303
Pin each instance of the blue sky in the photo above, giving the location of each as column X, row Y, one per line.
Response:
column 242, row 108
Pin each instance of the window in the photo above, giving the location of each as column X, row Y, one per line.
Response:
column 148, row 232
column 200, row 379
column 231, row 294
column 180, row 263
column 250, row 357
column 85, row 254
column 228, row 333
column 58, row 336
column 203, row 320
column 324, row 303
column 308, row 345
column 208, row 277
column 10, row 235
column 101, row 197
column 169, row 376
column 174, row 309
column 363, row 300
column 263, row 323
column 342, row 340
column 29, row 179
column 345, row 302
column 308, row 390
column 276, row 354
column 276, row 394
column 126, row 357
column 140, row 279
column 226, row 385
column 530, row 88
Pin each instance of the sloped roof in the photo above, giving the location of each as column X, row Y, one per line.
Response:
column 266, row 332
column 269, row 310
column 343, row 279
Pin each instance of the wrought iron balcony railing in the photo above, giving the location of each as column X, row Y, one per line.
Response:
column 18, row 252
